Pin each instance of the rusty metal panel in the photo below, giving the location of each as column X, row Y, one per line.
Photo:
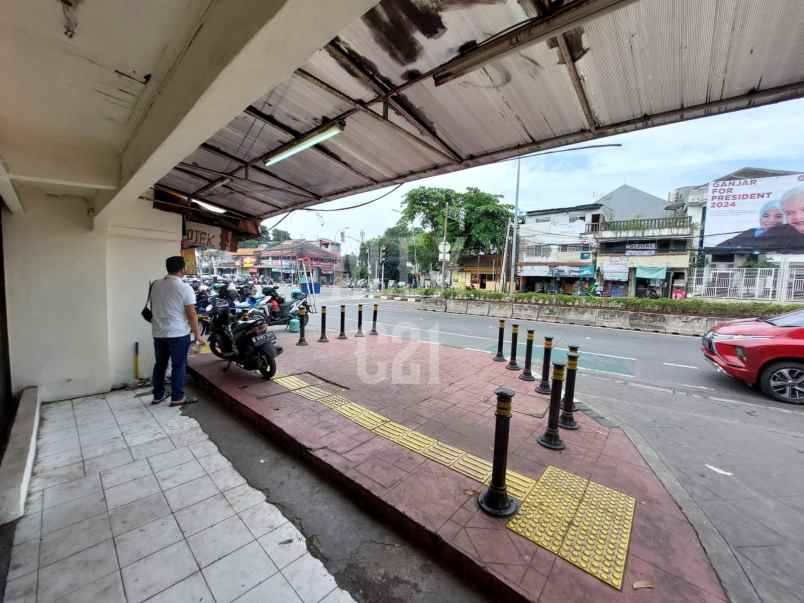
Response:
column 300, row 105
column 650, row 63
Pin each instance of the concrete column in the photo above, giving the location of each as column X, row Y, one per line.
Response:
column 241, row 51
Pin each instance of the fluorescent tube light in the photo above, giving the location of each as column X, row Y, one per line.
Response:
column 209, row 207
column 304, row 143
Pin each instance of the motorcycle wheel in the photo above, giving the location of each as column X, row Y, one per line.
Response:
column 215, row 348
column 267, row 366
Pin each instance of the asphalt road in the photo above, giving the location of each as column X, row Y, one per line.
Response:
column 668, row 361
column 733, row 459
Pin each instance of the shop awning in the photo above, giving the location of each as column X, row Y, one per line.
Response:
column 654, row 274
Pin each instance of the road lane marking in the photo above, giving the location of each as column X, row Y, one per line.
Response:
column 653, row 387
column 716, row 470
column 484, row 338
column 711, row 389
column 689, row 366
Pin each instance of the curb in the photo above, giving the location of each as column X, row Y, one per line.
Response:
column 735, row 583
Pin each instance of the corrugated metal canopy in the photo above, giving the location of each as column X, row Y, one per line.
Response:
column 605, row 67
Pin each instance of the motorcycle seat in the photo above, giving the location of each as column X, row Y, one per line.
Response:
column 244, row 325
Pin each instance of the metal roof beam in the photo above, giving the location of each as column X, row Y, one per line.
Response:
column 566, row 56
column 212, row 182
column 530, row 32
column 724, row 105
column 243, row 164
column 319, row 148
column 309, row 77
column 400, row 104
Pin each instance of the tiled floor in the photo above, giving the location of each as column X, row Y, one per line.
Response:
column 132, row 502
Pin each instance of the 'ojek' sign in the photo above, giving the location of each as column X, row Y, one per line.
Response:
column 201, row 235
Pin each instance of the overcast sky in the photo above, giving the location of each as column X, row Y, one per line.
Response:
column 655, row 160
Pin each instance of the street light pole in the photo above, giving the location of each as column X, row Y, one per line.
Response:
column 515, row 232
column 443, row 249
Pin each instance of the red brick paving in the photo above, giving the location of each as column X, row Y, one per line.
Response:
column 448, row 393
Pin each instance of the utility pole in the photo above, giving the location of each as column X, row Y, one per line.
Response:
column 382, row 268
column 515, row 232
column 444, row 249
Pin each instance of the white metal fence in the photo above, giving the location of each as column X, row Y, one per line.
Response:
column 770, row 284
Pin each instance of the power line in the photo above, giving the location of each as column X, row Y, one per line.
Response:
column 359, row 204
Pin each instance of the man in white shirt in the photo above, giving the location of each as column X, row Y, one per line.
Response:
column 174, row 317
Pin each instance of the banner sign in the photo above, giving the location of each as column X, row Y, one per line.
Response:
column 615, row 269
column 640, row 248
column 201, row 235
column 534, row 271
column 755, row 214
column 190, row 266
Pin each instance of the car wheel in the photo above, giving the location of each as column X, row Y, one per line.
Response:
column 784, row 381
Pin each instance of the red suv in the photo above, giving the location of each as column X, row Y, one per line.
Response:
column 768, row 352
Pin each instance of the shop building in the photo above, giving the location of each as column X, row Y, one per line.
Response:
column 290, row 259
column 477, row 272
column 643, row 257
column 557, row 247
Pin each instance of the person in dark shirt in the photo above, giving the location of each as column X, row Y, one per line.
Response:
column 770, row 216
column 783, row 237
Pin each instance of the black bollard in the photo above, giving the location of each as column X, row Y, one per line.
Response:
column 323, row 338
column 359, row 321
column 302, row 321
column 526, row 374
column 499, row 357
column 573, row 349
column 495, row 500
column 374, row 320
column 551, row 438
column 512, row 365
column 544, row 385
column 342, row 334
column 567, row 420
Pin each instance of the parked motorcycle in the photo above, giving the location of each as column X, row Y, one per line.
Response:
column 247, row 343
column 280, row 312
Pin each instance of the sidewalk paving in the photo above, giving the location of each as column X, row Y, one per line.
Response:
column 132, row 502
column 446, row 393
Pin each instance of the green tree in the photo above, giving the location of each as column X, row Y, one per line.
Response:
column 278, row 235
column 476, row 221
column 264, row 239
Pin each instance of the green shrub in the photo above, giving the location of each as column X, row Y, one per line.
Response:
column 690, row 306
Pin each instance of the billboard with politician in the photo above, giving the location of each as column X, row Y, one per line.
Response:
column 755, row 214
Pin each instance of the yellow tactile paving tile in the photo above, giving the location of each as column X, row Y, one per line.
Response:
column 333, row 401
column 369, row 419
column 582, row 521
column 472, row 466
column 393, row 431
column 416, row 441
column 518, row 485
column 291, row 382
column 598, row 538
column 442, row 453
column 349, row 410
column 312, row 393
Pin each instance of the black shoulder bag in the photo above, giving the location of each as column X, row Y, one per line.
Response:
column 147, row 314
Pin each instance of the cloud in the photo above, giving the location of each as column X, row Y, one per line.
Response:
column 655, row 160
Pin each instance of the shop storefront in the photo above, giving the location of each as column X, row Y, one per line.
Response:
column 563, row 279
column 614, row 272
